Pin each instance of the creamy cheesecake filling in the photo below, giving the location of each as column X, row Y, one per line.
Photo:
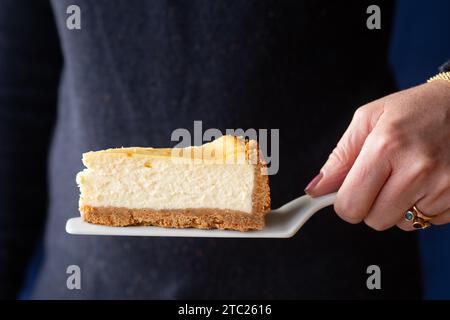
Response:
column 137, row 181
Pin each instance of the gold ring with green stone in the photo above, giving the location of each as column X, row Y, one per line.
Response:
column 418, row 219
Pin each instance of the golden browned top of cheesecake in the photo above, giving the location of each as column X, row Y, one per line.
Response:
column 231, row 148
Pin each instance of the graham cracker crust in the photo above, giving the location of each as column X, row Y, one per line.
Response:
column 176, row 218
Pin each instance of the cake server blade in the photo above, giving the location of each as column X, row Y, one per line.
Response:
column 283, row 222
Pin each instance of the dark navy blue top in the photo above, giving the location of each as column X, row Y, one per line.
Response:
column 136, row 71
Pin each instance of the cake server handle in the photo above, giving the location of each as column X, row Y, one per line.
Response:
column 298, row 211
column 321, row 202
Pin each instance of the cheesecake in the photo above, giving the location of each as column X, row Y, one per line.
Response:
column 222, row 184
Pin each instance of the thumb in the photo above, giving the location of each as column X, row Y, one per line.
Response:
column 341, row 160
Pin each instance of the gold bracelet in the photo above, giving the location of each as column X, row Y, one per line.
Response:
column 440, row 76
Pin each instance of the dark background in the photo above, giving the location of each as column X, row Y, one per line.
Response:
column 420, row 43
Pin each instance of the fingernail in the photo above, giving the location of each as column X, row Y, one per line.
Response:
column 313, row 182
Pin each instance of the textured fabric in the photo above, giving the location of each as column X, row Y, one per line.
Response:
column 137, row 70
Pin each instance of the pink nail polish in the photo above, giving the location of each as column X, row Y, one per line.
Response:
column 313, row 182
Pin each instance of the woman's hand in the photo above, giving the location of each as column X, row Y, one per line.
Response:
column 395, row 154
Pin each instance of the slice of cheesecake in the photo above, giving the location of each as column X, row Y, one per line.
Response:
column 222, row 184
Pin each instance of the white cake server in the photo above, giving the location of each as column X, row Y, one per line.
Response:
column 283, row 222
